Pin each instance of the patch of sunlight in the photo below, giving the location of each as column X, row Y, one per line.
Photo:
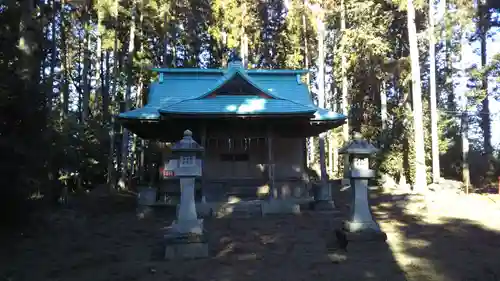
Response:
column 485, row 218
column 228, row 249
column 231, row 108
column 36, row 196
column 329, row 114
column 252, row 105
column 369, row 274
column 337, row 257
column 414, row 266
column 263, row 190
column 233, row 199
column 249, row 106
column 247, row 257
column 261, row 167
column 417, row 243
column 385, row 205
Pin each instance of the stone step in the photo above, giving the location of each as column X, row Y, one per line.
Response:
column 239, row 210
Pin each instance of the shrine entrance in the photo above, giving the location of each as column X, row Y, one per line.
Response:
column 236, row 158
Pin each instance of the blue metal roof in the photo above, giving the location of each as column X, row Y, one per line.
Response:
column 185, row 91
column 238, row 105
column 144, row 113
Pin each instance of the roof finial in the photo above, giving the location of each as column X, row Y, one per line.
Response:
column 234, row 56
column 234, row 61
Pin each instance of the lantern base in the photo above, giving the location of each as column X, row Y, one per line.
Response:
column 186, row 245
column 187, row 227
column 364, row 231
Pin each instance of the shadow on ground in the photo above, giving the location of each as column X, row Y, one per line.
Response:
column 430, row 246
column 102, row 239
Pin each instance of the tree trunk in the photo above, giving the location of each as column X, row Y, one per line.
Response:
column 433, row 96
column 343, row 73
column 464, row 122
column 321, row 103
column 86, row 65
column 485, row 108
column 105, row 85
column 420, row 171
column 310, row 142
column 111, row 156
column 130, row 58
column 53, row 56
column 383, row 108
column 64, row 96
column 99, row 62
column 448, row 84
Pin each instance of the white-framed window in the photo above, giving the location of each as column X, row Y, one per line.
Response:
column 187, row 161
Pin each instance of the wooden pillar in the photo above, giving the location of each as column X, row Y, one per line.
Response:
column 203, row 140
column 153, row 162
column 270, row 164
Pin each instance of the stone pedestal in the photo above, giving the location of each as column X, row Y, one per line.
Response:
column 187, row 215
column 323, row 197
column 361, row 225
column 146, row 199
column 361, row 217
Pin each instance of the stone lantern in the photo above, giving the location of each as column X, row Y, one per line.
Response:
column 186, row 236
column 358, row 152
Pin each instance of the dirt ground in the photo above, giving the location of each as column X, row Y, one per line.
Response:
column 102, row 239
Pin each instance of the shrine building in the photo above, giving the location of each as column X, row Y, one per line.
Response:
column 253, row 124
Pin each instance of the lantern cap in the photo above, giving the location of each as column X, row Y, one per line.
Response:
column 358, row 146
column 187, row 144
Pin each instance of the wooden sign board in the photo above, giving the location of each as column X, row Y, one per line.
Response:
column 166, row 173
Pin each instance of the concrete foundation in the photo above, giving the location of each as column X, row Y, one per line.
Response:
column 253, row 208
column 324, row 205
column 279, row 207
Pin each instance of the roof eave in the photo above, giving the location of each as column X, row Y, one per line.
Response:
column 234, row 115
column 142, row 119
column 277, row 71
column 188, row 70
column 224, row 70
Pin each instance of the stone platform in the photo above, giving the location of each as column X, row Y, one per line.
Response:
column 253, row 208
